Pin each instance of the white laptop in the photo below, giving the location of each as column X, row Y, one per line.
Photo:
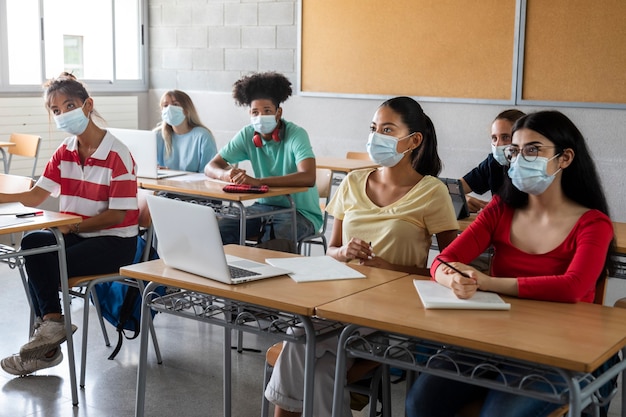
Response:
column 143, row 146
column 189, row 239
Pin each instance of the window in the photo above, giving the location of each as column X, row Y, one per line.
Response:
column 73, row 55
column 102, row 42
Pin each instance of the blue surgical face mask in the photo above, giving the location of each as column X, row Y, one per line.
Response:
column 383, row 149
column 73, row 122
column 264, row 124
column 173, row 115
column 498, row 154
column 531, row 177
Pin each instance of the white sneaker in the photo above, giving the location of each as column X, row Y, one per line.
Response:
column 15, row 365
column 47, row 336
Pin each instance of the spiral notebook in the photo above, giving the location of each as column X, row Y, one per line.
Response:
column 436, row 296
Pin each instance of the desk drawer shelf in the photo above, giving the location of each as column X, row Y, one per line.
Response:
column 478, row 368
column 240, row 316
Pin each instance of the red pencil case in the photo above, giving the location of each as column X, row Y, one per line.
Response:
column 246, row 188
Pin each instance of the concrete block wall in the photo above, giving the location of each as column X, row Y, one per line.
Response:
column 207, row 45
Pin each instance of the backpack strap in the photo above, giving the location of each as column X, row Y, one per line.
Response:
column 126, row 314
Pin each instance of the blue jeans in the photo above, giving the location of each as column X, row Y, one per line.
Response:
column 85, row 256
column 229, row 228
column 434, row 396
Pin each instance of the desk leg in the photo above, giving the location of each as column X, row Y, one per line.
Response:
column 242, row 222
column 309, row 367
column 66, row 310
column 227, row 372
column 294, row 220
column 3, row 153
column 340, row 370
column 140, row 395
column 624, row 385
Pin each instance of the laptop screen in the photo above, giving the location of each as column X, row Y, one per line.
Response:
column 455, row 188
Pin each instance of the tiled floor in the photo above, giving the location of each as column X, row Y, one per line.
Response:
column 188, row 383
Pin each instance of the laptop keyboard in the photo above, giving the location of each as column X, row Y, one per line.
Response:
column 241, row 273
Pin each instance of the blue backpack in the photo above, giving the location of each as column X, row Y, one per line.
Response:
column 120, row 304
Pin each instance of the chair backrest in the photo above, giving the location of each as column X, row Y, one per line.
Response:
column 25, row 145
column 323, row 180
column 601, row 289
column 357, row 155
column 14, row 183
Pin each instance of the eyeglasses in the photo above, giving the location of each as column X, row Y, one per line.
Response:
column 529, row 152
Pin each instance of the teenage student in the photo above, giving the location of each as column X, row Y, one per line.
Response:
column 552, row 236
column 93, row 174
column 183, row 142
column 489, row 174
column 383, row 217
column 280, row 154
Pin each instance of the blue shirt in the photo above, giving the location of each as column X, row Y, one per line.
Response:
column 190, row 151
column 276, row 159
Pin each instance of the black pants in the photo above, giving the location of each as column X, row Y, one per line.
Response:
column 85, row 256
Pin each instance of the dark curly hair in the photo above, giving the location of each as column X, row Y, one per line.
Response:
column 265, row 85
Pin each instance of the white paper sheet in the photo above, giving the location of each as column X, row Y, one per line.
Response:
column 315, row 268
column 436, row 296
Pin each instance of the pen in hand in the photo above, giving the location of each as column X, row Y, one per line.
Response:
column 453, row 268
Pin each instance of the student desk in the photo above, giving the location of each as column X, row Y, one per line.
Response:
column 534, row 338
column 49, row 220
column 196, row 185
column 3, row 155
column 270, row 306
column 343, row 165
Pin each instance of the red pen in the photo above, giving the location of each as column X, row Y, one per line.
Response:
column 31, row 214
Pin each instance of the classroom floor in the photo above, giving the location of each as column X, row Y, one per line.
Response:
column 188, row 383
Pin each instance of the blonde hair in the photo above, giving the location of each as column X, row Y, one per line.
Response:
column 193, row 120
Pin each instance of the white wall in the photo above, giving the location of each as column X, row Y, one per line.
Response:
column 202, row 47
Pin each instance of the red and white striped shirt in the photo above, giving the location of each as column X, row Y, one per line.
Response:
column 107, row 181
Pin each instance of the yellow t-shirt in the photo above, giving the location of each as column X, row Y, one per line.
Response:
column 400, row 233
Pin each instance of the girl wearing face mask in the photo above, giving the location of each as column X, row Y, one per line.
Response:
column 383, row 218
column 94, row 175
column 184, row 143
column 489, row 174
column 553, row 240
column 280, row 154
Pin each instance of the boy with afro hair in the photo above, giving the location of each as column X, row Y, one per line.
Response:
column 280, row 154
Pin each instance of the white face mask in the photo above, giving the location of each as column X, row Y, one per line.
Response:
column 173, row 115
column 264, row 124
column 498, row 154
column 73, row 122
column 383, row 149
column 531, row 177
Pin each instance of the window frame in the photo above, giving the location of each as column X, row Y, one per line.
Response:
column 95, row 86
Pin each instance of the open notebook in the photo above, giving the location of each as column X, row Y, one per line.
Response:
column 189, row 239
column 436, row 296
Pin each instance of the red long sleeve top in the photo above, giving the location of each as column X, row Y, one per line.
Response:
column 568, row 273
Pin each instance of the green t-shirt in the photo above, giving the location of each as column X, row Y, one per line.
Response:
column 275, row 159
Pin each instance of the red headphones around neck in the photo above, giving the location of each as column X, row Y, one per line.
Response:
column 258, row 140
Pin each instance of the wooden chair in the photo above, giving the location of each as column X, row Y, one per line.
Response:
column 26, row 146
column 324, row 178
column 357, row 155
column 361, row 370
column 83, row 287
column 473, row 409
column 16, row 184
